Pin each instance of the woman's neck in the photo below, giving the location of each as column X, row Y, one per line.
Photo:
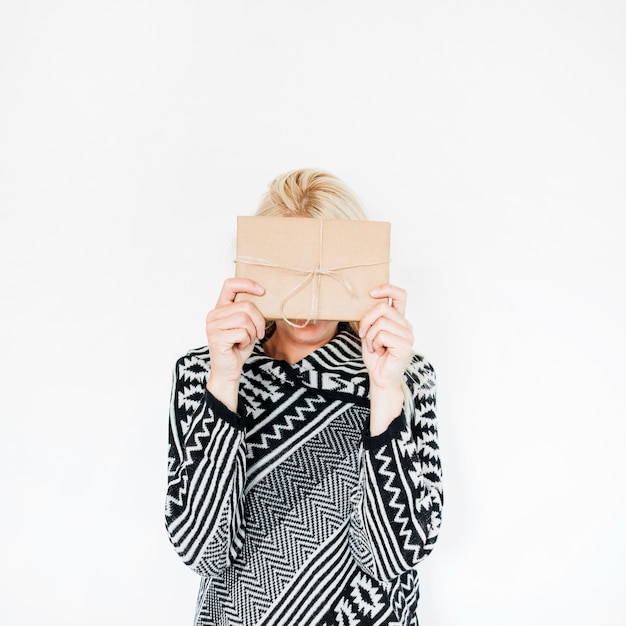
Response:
column 292, row 344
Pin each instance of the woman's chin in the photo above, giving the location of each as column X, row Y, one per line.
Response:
column 321, row 330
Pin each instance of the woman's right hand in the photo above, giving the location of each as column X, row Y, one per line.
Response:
column 232, row 329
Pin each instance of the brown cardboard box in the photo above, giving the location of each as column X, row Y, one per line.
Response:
column 311, row 268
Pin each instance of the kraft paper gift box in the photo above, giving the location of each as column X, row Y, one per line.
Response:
column 312, row 269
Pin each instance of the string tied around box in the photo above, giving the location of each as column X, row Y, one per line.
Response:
column 310, row 275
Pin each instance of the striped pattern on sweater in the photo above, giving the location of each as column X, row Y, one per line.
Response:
column 288, row 509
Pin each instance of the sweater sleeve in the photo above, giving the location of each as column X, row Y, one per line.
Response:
column 397, row 505
column 206, row 473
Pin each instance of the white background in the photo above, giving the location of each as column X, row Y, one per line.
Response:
column 491, row 134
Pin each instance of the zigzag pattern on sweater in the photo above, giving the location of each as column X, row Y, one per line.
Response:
column 286, row 513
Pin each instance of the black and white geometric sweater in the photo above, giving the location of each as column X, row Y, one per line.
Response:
column 288, row 509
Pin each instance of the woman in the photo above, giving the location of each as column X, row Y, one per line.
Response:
column 304, row 476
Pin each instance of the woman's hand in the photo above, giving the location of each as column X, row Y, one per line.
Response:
column 387, row 341
column 232, row 329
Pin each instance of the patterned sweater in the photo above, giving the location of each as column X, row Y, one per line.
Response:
column 288, row 509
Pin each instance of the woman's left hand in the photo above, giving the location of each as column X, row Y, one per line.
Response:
column 387, row 341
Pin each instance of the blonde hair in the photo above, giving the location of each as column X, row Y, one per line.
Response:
column 310, row 193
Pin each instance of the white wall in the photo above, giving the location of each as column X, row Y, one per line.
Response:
column 491, row 134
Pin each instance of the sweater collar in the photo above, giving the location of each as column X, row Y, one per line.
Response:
column 335, row 367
